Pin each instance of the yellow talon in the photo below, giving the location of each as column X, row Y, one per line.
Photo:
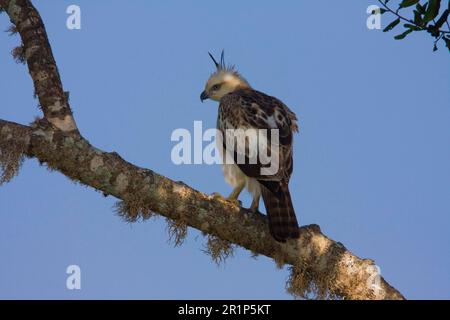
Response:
column 234, row 201
column 218, row 196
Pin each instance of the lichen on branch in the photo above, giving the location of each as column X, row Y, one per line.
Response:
column 13, row 145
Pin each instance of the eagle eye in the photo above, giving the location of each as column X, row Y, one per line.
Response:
column 216, row 87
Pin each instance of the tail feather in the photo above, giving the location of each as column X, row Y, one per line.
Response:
column 283, row 223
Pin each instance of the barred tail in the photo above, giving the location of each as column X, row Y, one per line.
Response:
column 283, row 223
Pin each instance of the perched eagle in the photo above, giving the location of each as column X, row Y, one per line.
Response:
column 242, row 107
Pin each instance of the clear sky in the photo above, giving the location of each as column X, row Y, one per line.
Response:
column 372, row 160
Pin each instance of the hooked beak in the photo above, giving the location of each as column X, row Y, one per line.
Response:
column 204, row 96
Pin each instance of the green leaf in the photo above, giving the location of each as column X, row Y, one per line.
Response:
column 411, row 26
column 443, row 18
column 432, row 10
column 403, row 35
column 433, row 31
column 408, row 3
column 420, row 8
column 392, row 25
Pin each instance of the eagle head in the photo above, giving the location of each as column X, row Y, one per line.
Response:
column 223, row 81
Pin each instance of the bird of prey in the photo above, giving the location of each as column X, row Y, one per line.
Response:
column 242, row 107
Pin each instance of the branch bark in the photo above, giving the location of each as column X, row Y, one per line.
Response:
column 319, row 264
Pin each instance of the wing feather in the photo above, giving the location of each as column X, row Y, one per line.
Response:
column 251, row 109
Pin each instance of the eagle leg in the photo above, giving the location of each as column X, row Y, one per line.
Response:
column 236, row 192
column 233, row 197
column 255, row 204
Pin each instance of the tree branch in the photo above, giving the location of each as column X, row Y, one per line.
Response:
column 41, row 63
column 319, row 264
column 426, row 28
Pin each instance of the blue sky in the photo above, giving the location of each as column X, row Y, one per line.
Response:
column 371, row 160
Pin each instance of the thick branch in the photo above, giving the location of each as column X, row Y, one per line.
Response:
column 41, row 63
column 315, row 254
column 54, row 140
